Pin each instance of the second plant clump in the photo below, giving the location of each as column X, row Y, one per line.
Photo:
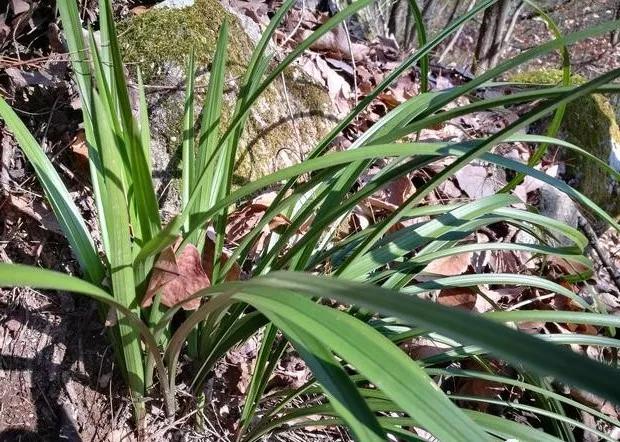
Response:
column 361, row 378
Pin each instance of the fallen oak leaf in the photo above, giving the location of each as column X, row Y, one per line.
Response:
column 422, row 348
column 79, row 149
column 569, row 270
column 480, row 388
column 177, row 277
column 399, row 190
column 594, row 401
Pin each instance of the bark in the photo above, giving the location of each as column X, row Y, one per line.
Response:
column 401, row 24
column 456, row 36
column 491, row 37
column 615, row 35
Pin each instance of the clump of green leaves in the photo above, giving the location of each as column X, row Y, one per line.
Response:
column 362, row 379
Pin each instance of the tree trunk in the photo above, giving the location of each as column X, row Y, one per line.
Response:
column 401, row 24
column 491, row 37
column 615, row 35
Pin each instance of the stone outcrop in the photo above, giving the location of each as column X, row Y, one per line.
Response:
column 589, row 122
column 286, row 121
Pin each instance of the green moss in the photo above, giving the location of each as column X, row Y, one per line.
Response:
column 168, row 35
column 545, row 76
column 589, row 122
column 159, row 41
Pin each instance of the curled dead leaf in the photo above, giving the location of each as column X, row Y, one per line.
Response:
column 178, row 278
column 244, row 219
column 234, row 274
column 594, row 401
column 79, row 149
column 336, row 43
column 564, row 267
column 479, row 181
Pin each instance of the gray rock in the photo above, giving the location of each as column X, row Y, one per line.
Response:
column 557, row 205
column 175, row 4
column 285, row 123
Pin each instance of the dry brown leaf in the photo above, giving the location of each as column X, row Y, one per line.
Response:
column 449, row 189
column 336, row 44
column 404, row 89
column 37, row 211
column 20, row 6
column 244, row 219
column 594, row 401
column 379, row 204
column 234, row 274
column 478, row 181
column 565, row 267
column 388, row 199
column 79, row 149
column 480, row 388
column 357, row 222
column 241, row 221
column 460, row 297
column 504, row 261
column 530, row 184
column 256, row 10
column 582, row 329
column 422, row 348
column 399, row 190
column 139, row 10
column 178, row 278
column 338, row 88
column 450, row 265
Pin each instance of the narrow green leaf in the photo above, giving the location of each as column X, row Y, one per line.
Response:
column 506, row 343
column 143, row 201
column 385, row 365
column 67, row 213
column 421, row 34
column 556, row 122
column 120, row 255
column 342, row 393
column 188, row 157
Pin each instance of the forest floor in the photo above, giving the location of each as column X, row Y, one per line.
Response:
column 57, row 372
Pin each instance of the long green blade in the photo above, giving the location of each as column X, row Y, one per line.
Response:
column 67, row 213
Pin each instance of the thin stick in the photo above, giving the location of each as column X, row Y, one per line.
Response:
column 587, row 229
column 350, row 45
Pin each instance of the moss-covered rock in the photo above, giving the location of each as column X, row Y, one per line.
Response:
column 589, row 122
column 285, row 123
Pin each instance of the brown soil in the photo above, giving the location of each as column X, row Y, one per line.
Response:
column 55, row 370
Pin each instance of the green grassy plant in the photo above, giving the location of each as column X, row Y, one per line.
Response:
column 361, row 378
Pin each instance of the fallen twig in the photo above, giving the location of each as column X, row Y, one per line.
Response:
column 603, row 256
